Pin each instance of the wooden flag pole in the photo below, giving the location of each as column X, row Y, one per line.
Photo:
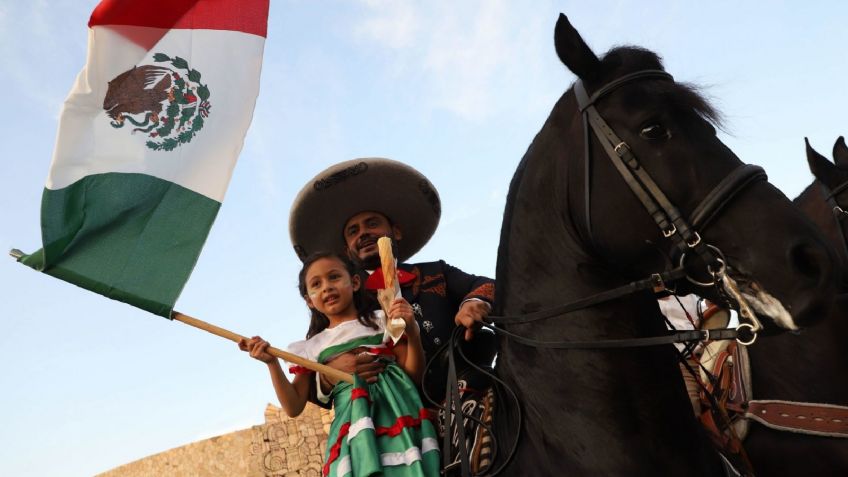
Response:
column 235, row 337
column 276, row 352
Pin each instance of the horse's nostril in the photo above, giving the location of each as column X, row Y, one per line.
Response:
column 811, row 261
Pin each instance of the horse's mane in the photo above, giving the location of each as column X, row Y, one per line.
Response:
column 622, row 60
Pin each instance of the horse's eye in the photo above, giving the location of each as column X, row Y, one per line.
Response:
column 655, row 131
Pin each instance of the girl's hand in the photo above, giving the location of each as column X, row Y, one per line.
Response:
column 258, row 349
column 402, row 309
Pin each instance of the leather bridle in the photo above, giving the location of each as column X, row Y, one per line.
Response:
column 839, row 214
column 683, row 233
column 668, row 218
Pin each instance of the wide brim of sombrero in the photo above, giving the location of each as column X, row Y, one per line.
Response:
column 396, row 190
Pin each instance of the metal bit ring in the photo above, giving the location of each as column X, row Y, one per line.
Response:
column 719, row 257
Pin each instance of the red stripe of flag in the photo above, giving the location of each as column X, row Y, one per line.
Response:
column 357, row 393
column 248, row 16
column 336, row 449
column 403, row 422
column 380, row 351
column 392, row 431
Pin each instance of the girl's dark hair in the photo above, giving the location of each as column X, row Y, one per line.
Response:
column 363, row 302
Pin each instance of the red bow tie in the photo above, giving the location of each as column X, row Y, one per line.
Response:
column 375, row 280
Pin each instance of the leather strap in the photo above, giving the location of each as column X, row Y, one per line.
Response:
column 657, row 279
column 839, row 213
column 454, row 419
column 671, row 338
column 667, row 217
column 584, row 101
column 801, row 417
column 724, row 192
column 837, row 190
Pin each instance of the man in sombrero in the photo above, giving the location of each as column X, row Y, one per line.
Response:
column 347, row 208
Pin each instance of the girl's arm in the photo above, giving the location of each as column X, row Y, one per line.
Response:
column 410, row 355
column 292, row 395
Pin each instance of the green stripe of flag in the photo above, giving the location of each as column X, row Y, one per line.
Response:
column 131, row 237
column 372, row 340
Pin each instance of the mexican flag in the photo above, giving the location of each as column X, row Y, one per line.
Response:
column 147, row 141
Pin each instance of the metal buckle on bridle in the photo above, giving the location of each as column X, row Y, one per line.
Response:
column 695, row 241
column 839, row 212
column 621, row 149
column 669, row 232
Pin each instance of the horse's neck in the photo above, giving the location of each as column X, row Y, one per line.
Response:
column 609, row 412
column 604, row 411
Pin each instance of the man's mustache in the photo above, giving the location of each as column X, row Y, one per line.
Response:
column 366, row 240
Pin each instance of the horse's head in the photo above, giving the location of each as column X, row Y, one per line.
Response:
column 826, row 200
column 651, row 126
column 833, row 175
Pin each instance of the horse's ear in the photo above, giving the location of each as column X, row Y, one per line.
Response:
column 820, row 166
column 573, row 51
column 840, row 153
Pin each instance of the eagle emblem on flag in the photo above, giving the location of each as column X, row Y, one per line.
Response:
column 168, row 103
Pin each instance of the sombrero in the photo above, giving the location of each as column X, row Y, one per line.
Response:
column 372, row 184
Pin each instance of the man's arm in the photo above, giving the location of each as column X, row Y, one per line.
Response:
column 463, row 286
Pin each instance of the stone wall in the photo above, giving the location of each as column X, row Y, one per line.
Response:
column 282, row 447
column 289, row 447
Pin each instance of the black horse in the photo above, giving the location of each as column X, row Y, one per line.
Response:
column 573, row 228
column 829, row 176
column 810, row 366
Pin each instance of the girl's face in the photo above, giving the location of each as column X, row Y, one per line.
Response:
column 330, row 288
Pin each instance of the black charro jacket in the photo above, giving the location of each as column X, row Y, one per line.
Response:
column 438, row 290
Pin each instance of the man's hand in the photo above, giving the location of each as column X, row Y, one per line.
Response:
column 470, row 315
column 344, row 362
column 368, row 367
column 362, row 364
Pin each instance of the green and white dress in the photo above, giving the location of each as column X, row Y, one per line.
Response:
column 380, row 428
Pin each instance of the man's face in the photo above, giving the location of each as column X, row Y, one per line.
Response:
column 361, row 233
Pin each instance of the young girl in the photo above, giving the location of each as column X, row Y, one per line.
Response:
column 379, row 428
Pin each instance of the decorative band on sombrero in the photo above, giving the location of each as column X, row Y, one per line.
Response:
column 389, row 187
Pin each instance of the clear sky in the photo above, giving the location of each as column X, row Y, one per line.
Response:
column 456, row 89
